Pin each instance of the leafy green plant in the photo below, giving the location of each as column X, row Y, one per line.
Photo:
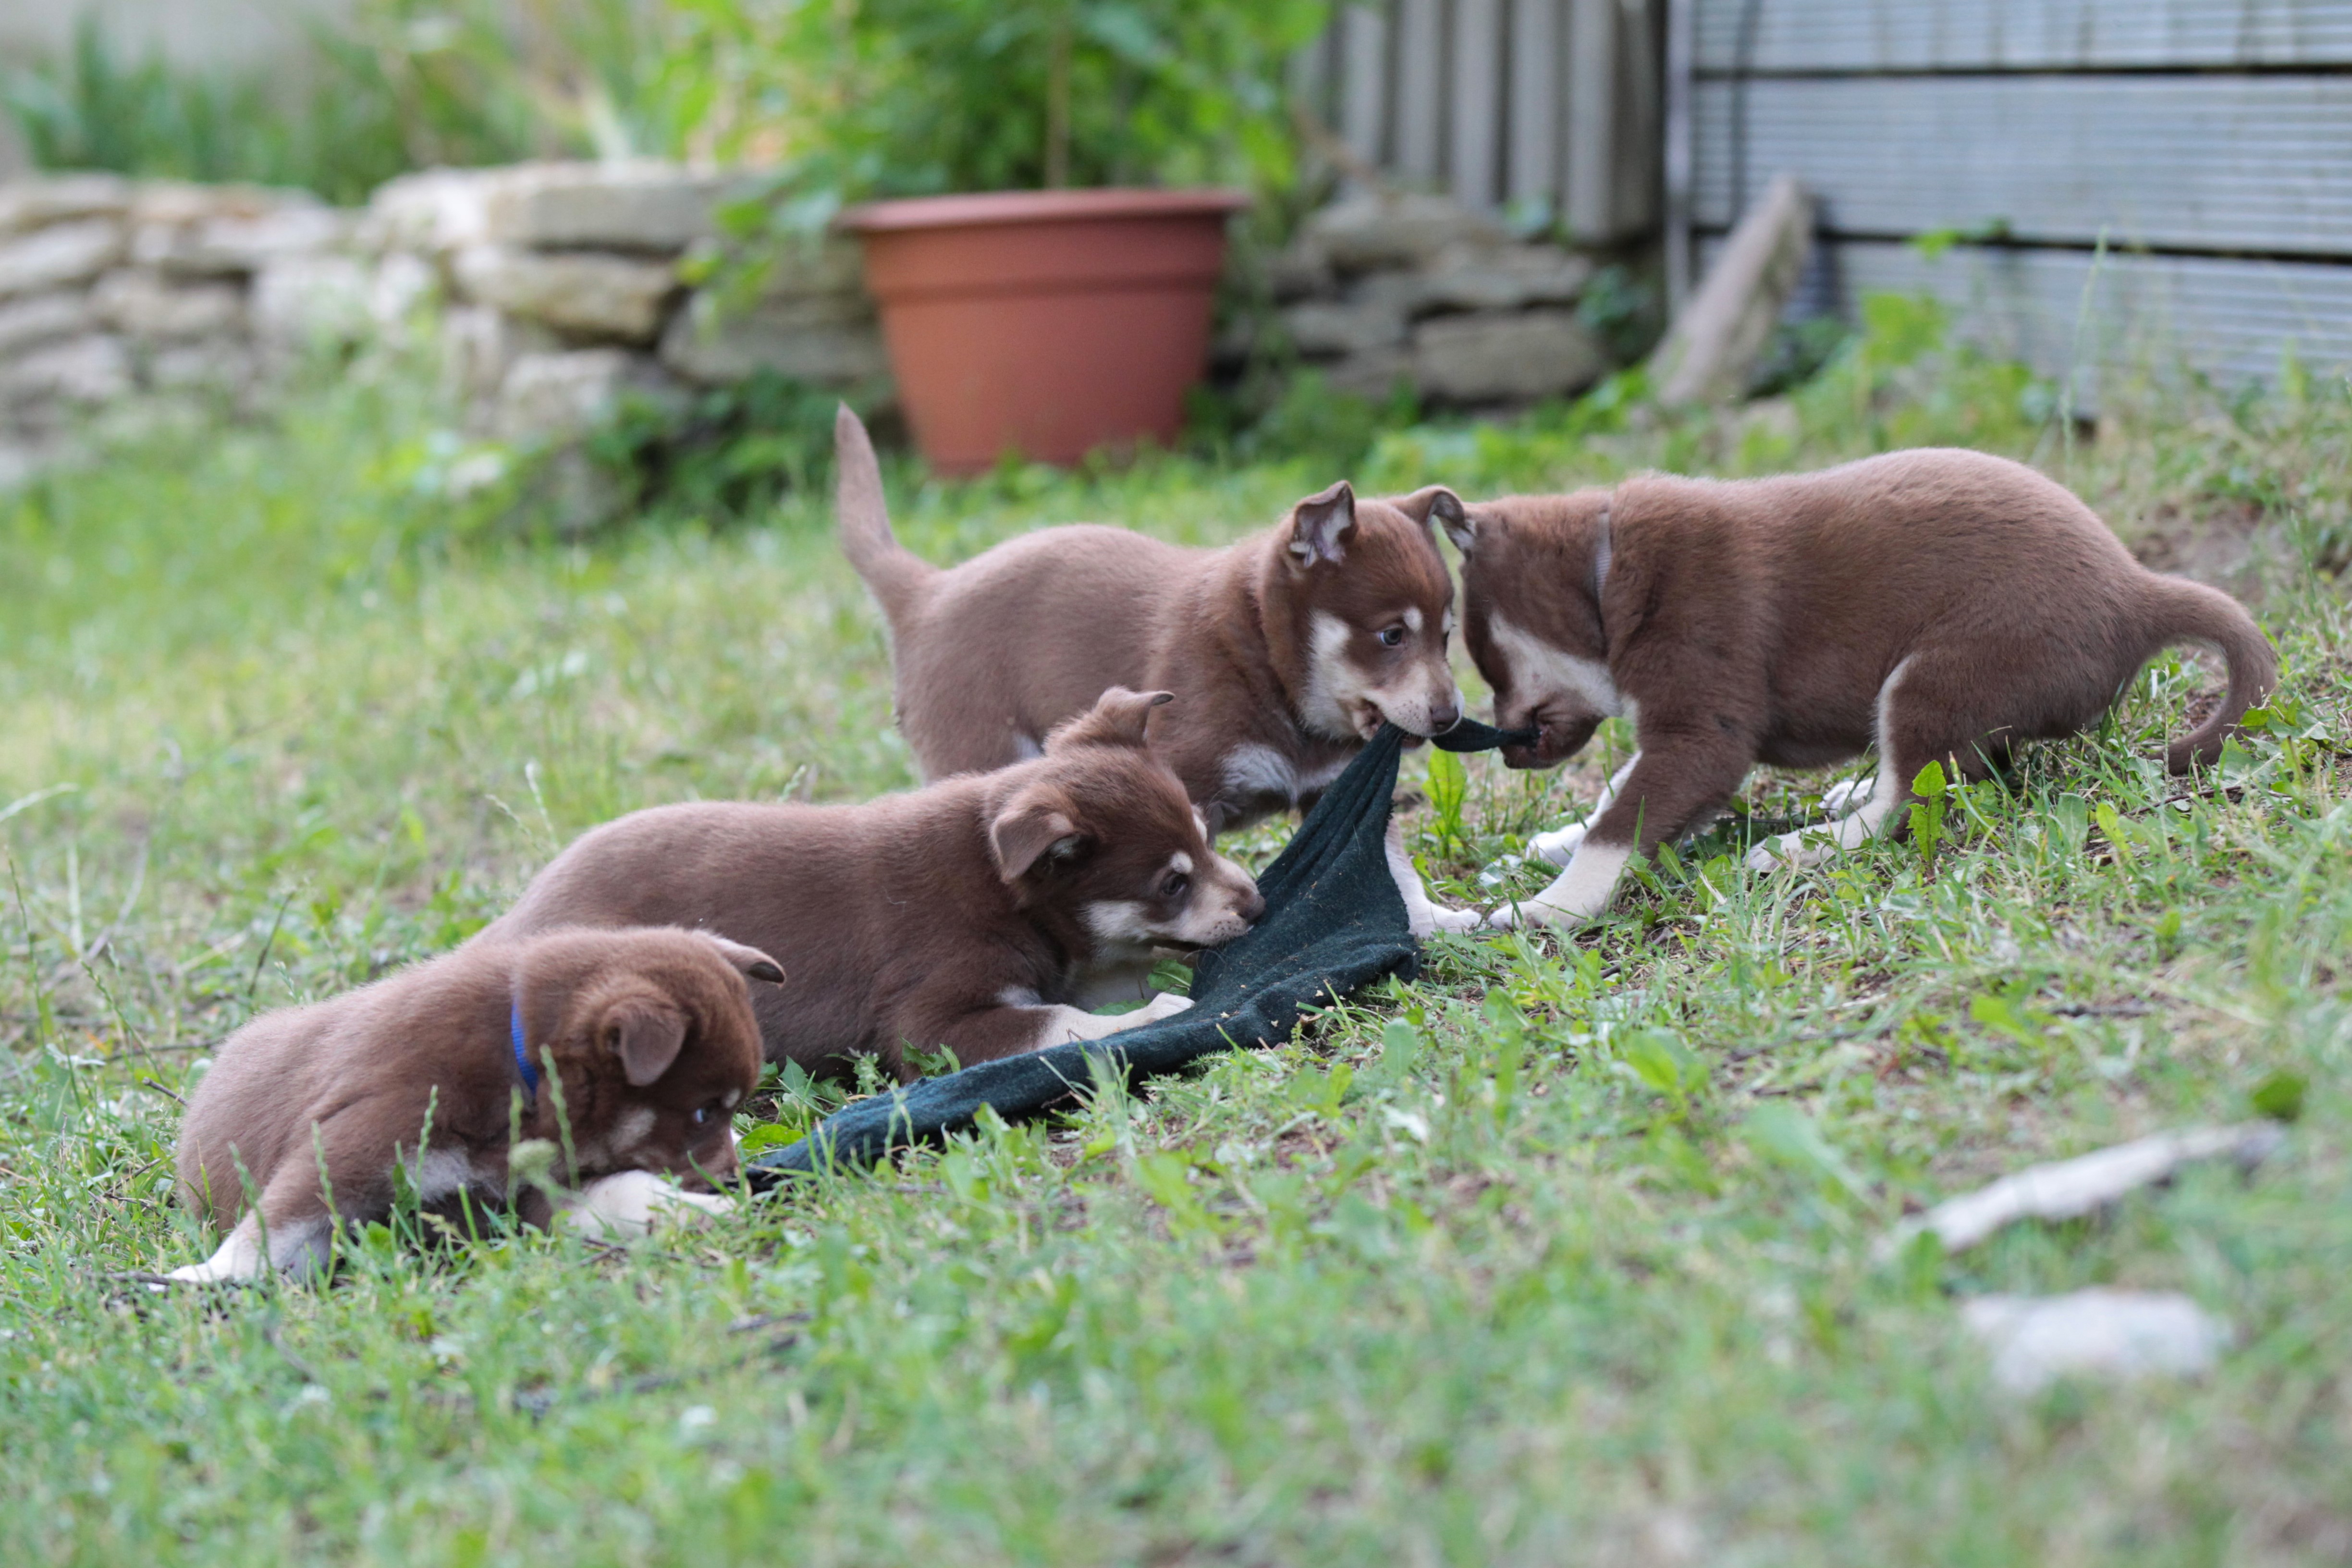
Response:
column 1449, row 789
column 1927, row 815
column 95, row 109
column 730, row 454
column 971, row 94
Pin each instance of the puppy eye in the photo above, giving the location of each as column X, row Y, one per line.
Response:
column 1173, row 887
column 1392, row 637
column 705, row 1114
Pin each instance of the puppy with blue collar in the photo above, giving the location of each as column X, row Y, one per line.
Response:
column 621, row 1054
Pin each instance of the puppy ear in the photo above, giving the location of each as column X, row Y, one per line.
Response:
column 1034, row 825
column 1445, row 509
column 1322, row 524
column 1117, row 719
column 755, row 964
column 1418, row 505
column 644, row 1034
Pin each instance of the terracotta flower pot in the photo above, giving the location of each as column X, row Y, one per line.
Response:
column 1043, row 323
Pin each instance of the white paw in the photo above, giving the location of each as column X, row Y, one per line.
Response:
column 1559, row 846
column 1845, row 795
column 1800, row 851
column 238, row 1257
column 630, row 1204
column 1529, row 912
column 1443, row 919
column 1163, row 1004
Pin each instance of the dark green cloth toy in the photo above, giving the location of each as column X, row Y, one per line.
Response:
column 1334, row 924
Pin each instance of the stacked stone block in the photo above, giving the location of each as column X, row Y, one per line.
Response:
column 1380, row 291
column 566, row 288
column 560, row 285
column 115, row 293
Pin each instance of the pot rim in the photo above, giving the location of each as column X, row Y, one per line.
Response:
column 993, row 208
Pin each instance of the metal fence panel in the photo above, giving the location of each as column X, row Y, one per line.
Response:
column 2219, row 162
column 1818, row 36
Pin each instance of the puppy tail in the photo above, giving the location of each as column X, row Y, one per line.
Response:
column 895, row 576
column 2183, row 611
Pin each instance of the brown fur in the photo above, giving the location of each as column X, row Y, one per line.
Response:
column 992, row 654
column 911, row 919
column 1759, row 620
column 647, row 1028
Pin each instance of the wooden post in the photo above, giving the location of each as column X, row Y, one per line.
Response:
column 1364, row 81
column 1420, row 90
column 1533, row 150
column 1585, row 204
column 1474, row 148
column 1679, row 15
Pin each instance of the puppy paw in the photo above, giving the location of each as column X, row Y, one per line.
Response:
column 1529, row 914
column 239, row 1256
column 630, row 1204
column 1163, row 1004
column 1846, row 794
column 1559, row 846
column 1443, row 919
column 1798, row 851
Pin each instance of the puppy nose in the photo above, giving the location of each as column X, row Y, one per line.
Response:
column 1251, row 905
column 1444, row 713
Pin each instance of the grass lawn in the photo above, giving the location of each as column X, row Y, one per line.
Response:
column 1565, row 1255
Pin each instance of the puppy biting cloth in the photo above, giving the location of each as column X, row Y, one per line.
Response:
column 1334, row 924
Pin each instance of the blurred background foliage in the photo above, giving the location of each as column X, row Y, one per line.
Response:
column 843, row 99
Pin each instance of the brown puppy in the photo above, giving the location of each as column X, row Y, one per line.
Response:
column 1941, row 606
column 648, row 1034
column 1289, row 650
column 970, row 915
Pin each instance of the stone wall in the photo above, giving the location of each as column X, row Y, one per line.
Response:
column 1388, row 289
column 565, row 285
column 551, row 288
column 116, row 295
column 546, row 292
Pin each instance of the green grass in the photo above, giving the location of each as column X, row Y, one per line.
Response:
column 1563, row 1256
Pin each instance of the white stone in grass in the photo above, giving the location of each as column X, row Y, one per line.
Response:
column 2068, row 1189
column 2115, row 1334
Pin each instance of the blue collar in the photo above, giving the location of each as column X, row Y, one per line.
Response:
column 522, row 1053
